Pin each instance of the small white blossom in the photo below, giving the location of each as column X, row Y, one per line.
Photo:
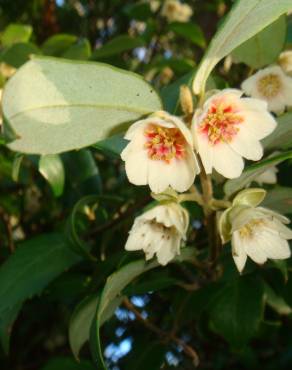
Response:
column 160, row 153
column 285, row 61
column 229, row 128
column 175, row 11
column 267, row 177
column 272, row 85
column 159, row 232
column 154, row 5
column 260, row 234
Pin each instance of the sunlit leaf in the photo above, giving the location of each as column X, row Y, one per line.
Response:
column 246, row 18
column 57, row 105
column 15, row 33
column 265, row 47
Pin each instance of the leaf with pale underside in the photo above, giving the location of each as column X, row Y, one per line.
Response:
column 246, row 19
column 54, row 105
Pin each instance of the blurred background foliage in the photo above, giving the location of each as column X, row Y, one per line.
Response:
column 53, row 209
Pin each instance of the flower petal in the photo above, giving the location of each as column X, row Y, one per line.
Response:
column 226, row 161
column 239, row 255
column 244, row 145
column 255, row 250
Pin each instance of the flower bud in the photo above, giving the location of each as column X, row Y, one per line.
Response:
column 186, row 100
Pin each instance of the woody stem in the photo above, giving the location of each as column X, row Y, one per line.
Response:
column 210, row 214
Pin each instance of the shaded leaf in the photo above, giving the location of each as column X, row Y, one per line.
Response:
column 52, row 169
column 238, row 310
column 32, row 267
column 112, row 290
column 275, row 301
column 67, row 363
column 116, row 46
column 58, row 44
column 81, row 321
column 113, row 145
column 189, row 31
column 279, row 199
column 18, row 54
column 281, row 137
column 251, row 172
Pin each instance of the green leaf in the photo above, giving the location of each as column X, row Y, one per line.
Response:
column 170, row 94
column 52, row 169
column 68, row 105
column 78, row 245
column 79, row 51
column 140, row 11
column 116, row 46
column 279, row 199
column 251, row 172
column 112, row 291
column 281, row 138
column 238, row 310
column 189, row 31
column 58, row 44
column 16, row 166
column 146, row 354
column 81, row 321
column 67, row 363
column 82, row 172
column 113, row 145
column 15, row 33
column 265, row 47
column 7, row 319
column 246, row 19
column 30, row 269
column 277, row 302
column 18, row 54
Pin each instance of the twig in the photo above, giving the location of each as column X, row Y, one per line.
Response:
column 210, row 214
column 121, row 215
column 165, row 335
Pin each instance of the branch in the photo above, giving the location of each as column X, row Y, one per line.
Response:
column 188, row 350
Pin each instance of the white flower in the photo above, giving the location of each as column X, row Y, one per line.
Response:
column 160, row 153
column 159, row 231
column 267, row 177
column 285, row 61
column 259, row 233
column 230, row 127
column 154, row 5
column 175, row 11
column 272, row 85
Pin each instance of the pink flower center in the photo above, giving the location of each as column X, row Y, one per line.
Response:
column 163, row 143
column 221, row 122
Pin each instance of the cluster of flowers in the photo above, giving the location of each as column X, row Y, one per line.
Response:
column 173, row 10
column 165, row 152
